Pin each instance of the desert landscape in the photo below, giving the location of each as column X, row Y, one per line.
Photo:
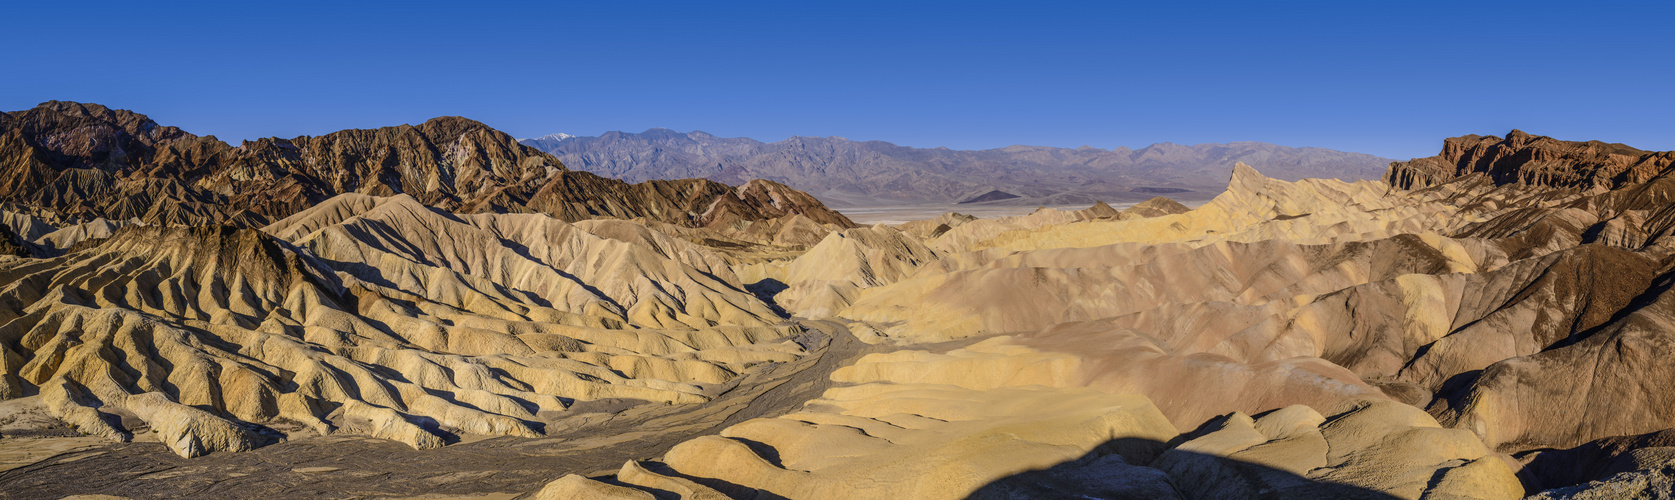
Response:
column 973, row 250
column 437, row 311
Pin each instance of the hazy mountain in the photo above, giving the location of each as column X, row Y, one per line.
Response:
column 549, row 137
column 845, row 172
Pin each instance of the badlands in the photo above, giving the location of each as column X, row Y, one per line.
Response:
column 439, row 312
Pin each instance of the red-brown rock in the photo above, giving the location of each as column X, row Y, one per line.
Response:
column 1521, row 158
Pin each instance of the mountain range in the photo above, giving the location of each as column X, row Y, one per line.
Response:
column 843, row 172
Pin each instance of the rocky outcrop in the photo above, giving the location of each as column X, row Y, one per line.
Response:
column 1155, row 207
column 1521, row 158
column 71, row 162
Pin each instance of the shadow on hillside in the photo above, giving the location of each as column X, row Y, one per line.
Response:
column 767, row 291
column 1124, row 468
column 1596, row 460
column 1135, row 468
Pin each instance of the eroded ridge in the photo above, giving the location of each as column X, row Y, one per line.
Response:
column 400, row 321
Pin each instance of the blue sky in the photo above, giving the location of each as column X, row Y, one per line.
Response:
column 1387, row 78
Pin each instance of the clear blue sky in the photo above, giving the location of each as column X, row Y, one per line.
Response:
column 1388, row 78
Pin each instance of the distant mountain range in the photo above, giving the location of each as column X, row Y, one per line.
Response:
column 550, row 137
column 842, row 172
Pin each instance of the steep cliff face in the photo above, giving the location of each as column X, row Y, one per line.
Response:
column 68, row 162
column 1521, row 158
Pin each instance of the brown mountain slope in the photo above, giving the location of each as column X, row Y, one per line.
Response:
column 69, row 162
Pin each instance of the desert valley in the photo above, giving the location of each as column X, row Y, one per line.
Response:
column 439, row 311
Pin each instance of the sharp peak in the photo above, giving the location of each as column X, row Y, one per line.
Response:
column 1243, row 172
